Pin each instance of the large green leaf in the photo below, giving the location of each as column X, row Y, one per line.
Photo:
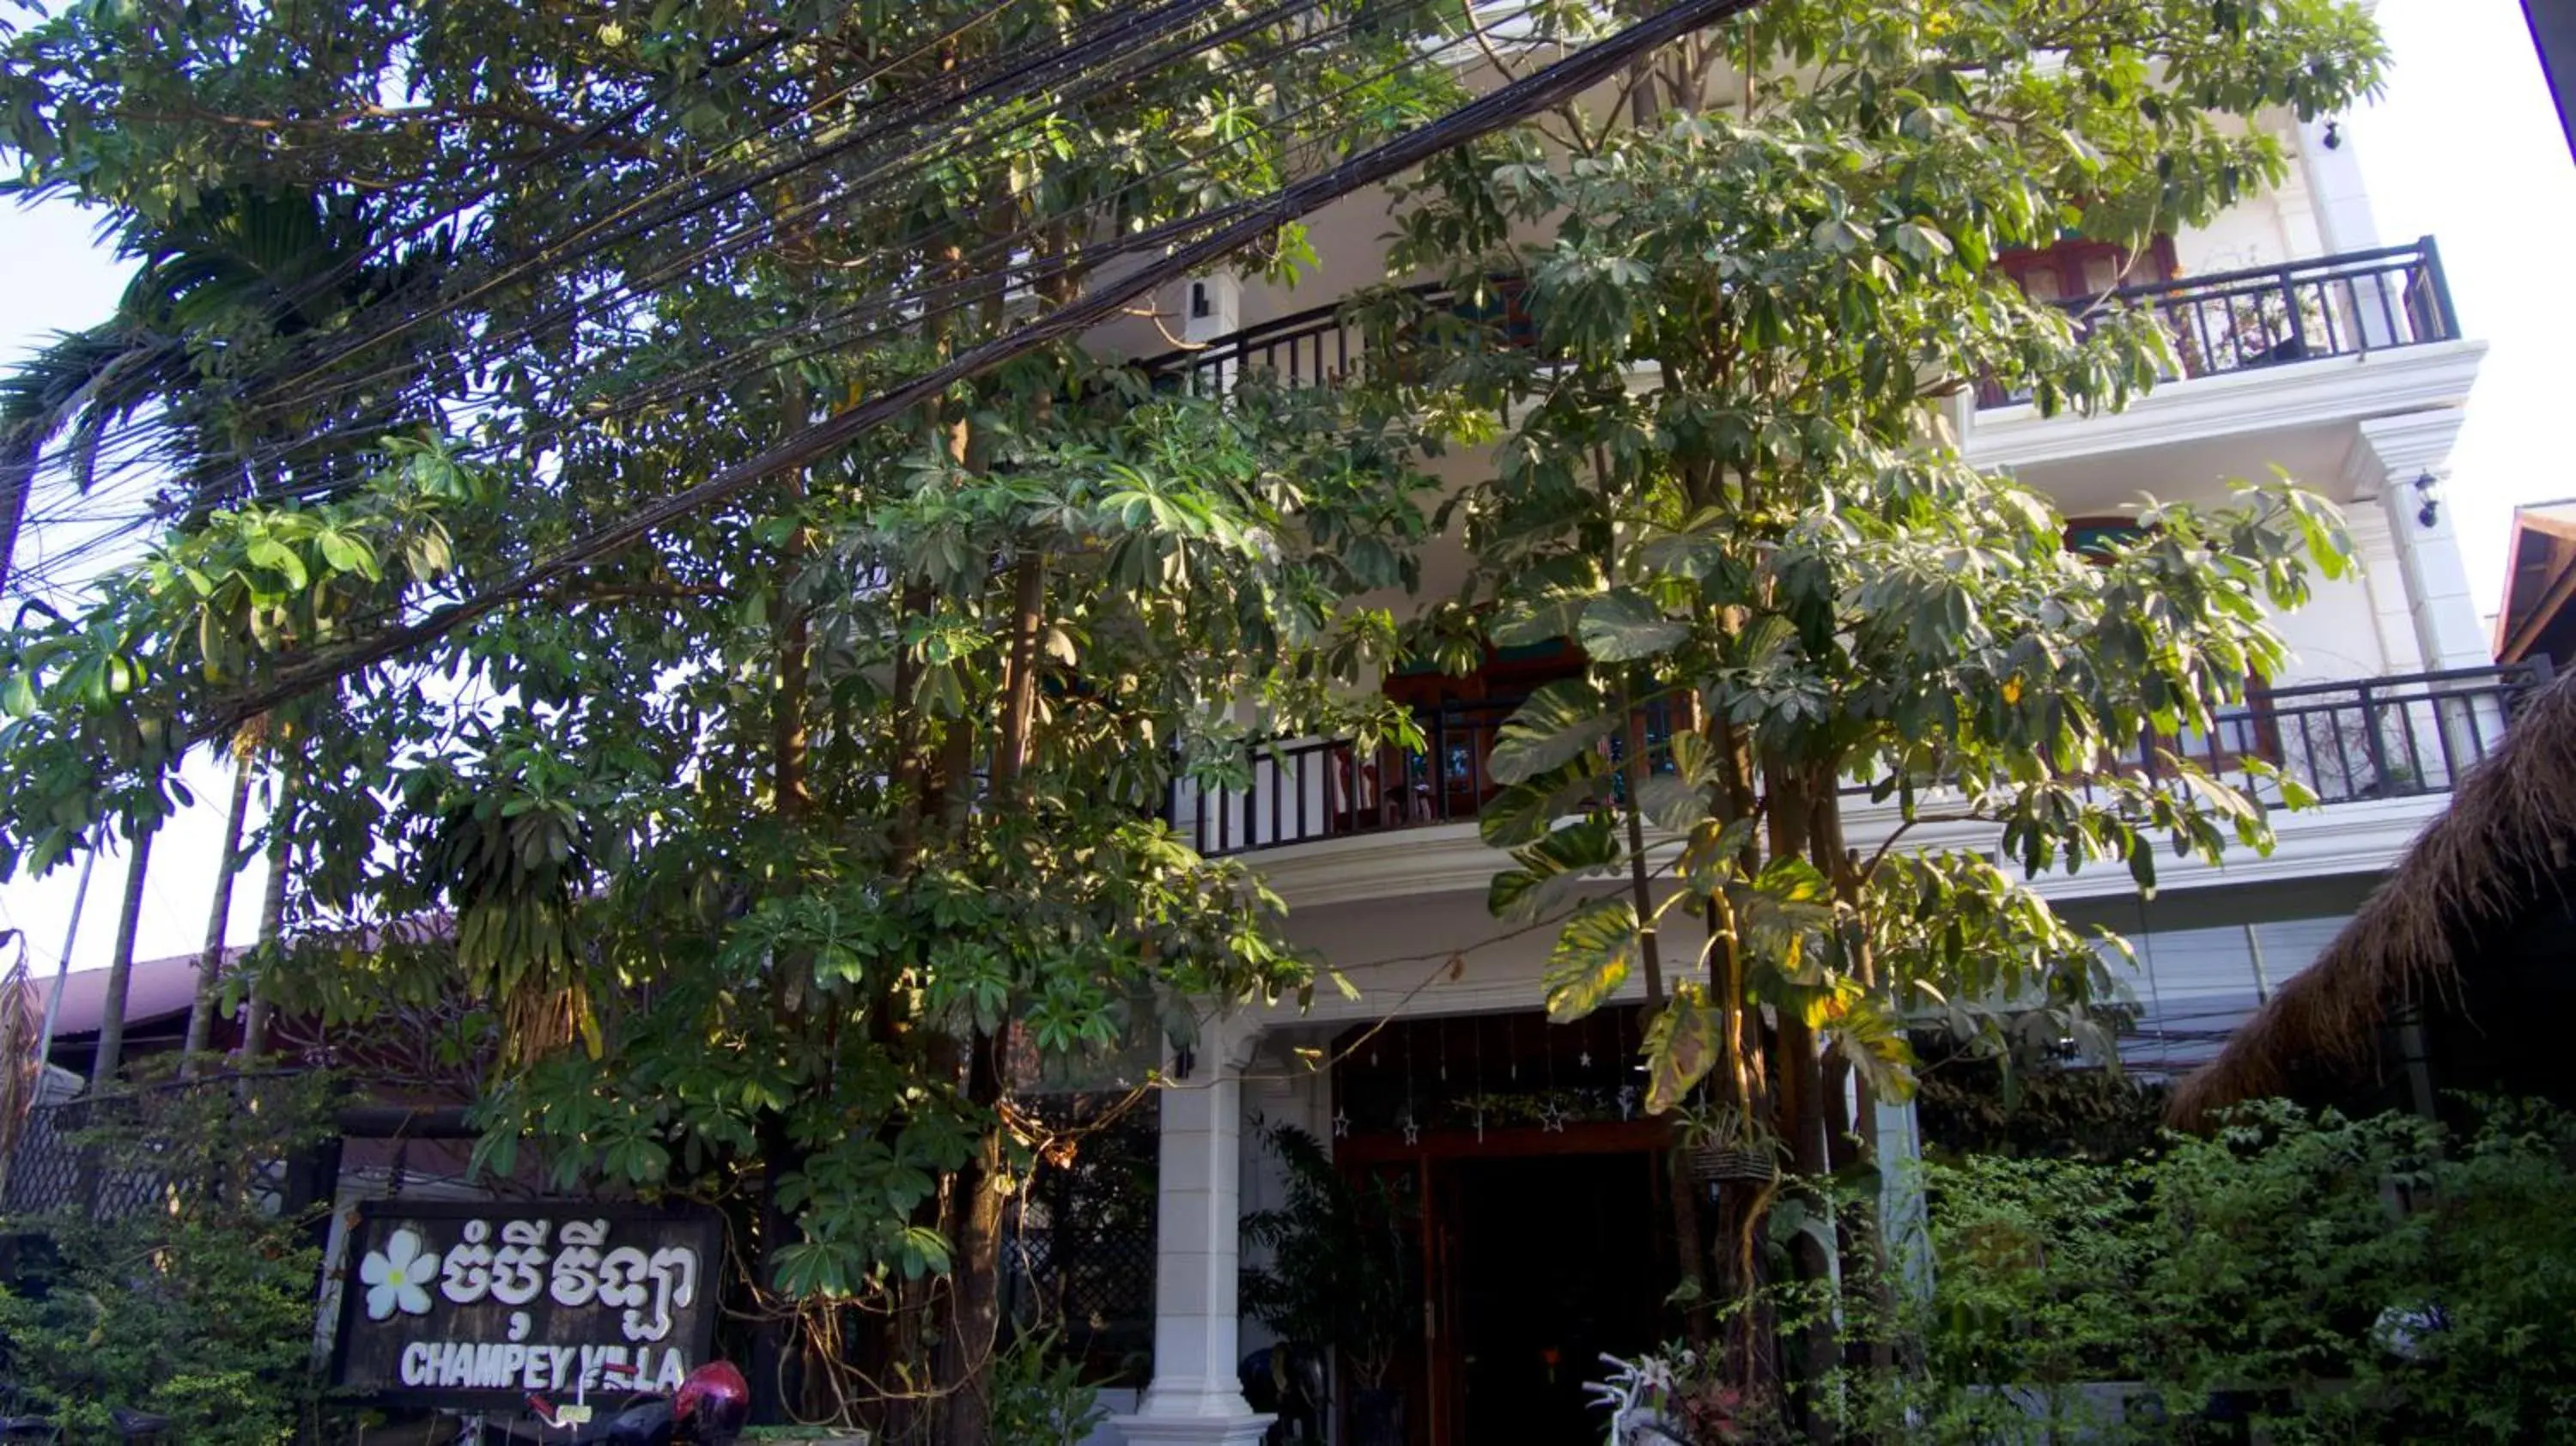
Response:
column 1593, row 954
column 1682, row 1045
column 1671, row 803
column 1873, row 1039
column 1545, row 603
column 1558, row 722
column 1522, row 813
column 1712, row 854
column 1622, row 626
column 1549, row 868
column 1780, row 916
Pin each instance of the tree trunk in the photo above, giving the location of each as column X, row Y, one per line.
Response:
column 1682, row 1193
column 210, row 964
column 120, row 969
column 17, row 475
column 272, row 926
column 1020, row 687
column 981, row 1205
column 1799, row 1089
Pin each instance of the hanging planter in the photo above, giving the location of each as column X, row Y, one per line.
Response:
column 1736, row 1162
column 1723, row 1144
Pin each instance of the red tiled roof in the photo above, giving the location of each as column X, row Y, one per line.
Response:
column 158, row 989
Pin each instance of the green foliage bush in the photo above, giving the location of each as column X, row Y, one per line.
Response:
column 2324, row 1279
column 198, row 1306
column 1040, row 1397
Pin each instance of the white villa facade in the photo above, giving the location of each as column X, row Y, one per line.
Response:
column 2312, row 344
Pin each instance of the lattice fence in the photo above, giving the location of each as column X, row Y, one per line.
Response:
column 1082, row 1257
column 52, row 1170
column 100, row 1154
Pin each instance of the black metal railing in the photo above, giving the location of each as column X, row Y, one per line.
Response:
column 1338, row 342
column 2397, row 737
column 2230, row 321
column 2265, row 316
column 115, row 1154
column 2347, row 742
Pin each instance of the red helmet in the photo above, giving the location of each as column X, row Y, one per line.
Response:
column 714, row 1403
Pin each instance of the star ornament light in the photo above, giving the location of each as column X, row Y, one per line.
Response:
column 398, row 1277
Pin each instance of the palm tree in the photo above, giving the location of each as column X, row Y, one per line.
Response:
column 201, row 1010
column 227, row 296
column 83, row 384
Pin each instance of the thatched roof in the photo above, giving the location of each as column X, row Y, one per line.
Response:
column 2474, row 872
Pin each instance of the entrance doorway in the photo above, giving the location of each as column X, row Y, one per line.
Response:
column 1550, row 1262
column 1537, row 1202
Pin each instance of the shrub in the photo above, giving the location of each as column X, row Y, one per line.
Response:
column 2323, row 1279
column 198, row 1304
column 1040, row 1397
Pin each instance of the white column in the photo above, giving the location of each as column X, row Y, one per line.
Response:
column 1212, row 307
column 2345, row 221
column 2392, row 453
column 1195, row 1399
column 1904, row 1221
column 2383, row 581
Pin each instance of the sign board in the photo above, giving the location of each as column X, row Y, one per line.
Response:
column 475, row 1305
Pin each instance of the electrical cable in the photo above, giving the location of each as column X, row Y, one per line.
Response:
column 900, row 304
column 912, row 154
column 1485, row 114
column 584, row 242
column 918, row 163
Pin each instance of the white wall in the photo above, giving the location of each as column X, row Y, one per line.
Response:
column 2281, row 225
column 2337, row 636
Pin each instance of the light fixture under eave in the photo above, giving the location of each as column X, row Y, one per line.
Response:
column 2430, row 513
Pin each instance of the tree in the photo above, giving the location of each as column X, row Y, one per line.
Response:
column 1722, row 469
column 773, row 844
column 221, row 285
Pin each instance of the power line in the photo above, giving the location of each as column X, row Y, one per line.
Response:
column 907, row 156
column 913, row 162
column 1479, row 117
column 909, row 308
column 625, row 224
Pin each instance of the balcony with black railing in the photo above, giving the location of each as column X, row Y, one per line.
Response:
column 1326, row 345
column 2348, row 742
column 2350, row 305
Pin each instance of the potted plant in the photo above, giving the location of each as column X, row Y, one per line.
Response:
column 1338, row 1277
column 1724, row 1143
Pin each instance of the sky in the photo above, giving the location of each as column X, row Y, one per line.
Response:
column 2465, row 147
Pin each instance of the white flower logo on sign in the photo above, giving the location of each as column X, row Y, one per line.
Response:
column 398, row 1276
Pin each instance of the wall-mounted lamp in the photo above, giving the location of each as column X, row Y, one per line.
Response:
column 2430, row 513
column 2334, row 135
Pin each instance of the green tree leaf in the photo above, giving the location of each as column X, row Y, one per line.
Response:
column 1622, row 626
column 1557, row 723
column 1592, row 957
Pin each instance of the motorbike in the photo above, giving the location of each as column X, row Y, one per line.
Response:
column 709, row 1409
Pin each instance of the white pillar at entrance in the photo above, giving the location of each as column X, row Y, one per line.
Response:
column 1194, row 1399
